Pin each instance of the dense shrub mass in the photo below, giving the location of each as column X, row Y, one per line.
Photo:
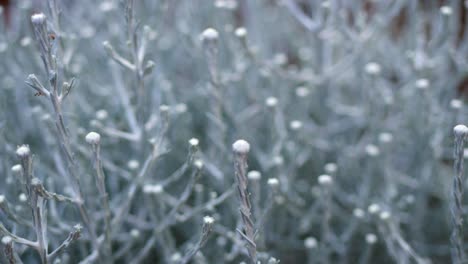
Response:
column 196, row 131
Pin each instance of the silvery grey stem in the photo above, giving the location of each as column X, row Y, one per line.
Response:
column 241, row 148
column 456, row 203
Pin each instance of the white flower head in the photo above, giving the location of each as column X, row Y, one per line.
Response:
column 295, row 125
column 135, row 233
column 209, row 34
column 325, row 180
column 373, row 208
column 153, row 189
column 241, row 32
column 23, row 151
column 208, row 220
column 7, row 240
column 358, row 213
column 101, row 114
column 22, row 197
column 330, row 168
column 254, row 175
column 93, row 138
column 133, row 164
column 373, row 68
column 371, row 238
column 422, row 84
column 372, row 150
column 273, row 182
column 460, row 130
column 456, row 103
column 446, row 10
column 16, row 168
column 241, row 146
column 198, row 163
column 384, row 215
column 310, row 242
column 38, row 19
column 194, row 142
column 2, row 198
column 271, row 101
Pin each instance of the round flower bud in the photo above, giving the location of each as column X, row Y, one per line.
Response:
column 372, row 68
column 446, row 10
column 358, row 213
column 459, row 130
column 7, row 240
column 385, row 215
column 330, row 168
column 38, row 19
column 93, row 138
column 385, row 137
column 101, row 114
column 194, row 142
column 310, row 242
column 16, row 168
column 422, row 84
column 133, row 164
column 209, row 34
column 325, row 180
column 372, row 150
column 295, row 125
column 208, row 220
column 302, row 91
column 241, row 146
column 273, row 182
column 198, row 163
column 371, row 238
column 456, row 103
column 254, row 175
column 373, row 208
column 271, row 101
column 241, row 32
column 23, row 151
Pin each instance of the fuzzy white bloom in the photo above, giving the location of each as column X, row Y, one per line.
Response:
column 198, row 163
column 295, row 125
column 385, row 137
column 241, row 32
column 7, row 240
column 26, row 41
column 358, row 213
column 310, row 242
column 133, row 164
column 273, row 182
column 271, row 101
column 330, row 168
column 302, row 91
column 372, row 150
column 93, row 138
column 101, row 114
column 241, row 146
column 135, row 233
column 164, row 108
column 422, row 83
column 2, row 198
column 325, row 180
column 38, row 19
column 153, row 189
column 194, row 142
column 22, row 197
column 373, row 208
column 446, row 10
column 371, row 238
column 373, row 68
column 226, row 4
column 176, row 257
column 208, row 220
column 209, row 34
column 23, row 151
column 456, row 103
column 385, row 215
column 254, row 175
column 459, row 130
column 16, row 168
